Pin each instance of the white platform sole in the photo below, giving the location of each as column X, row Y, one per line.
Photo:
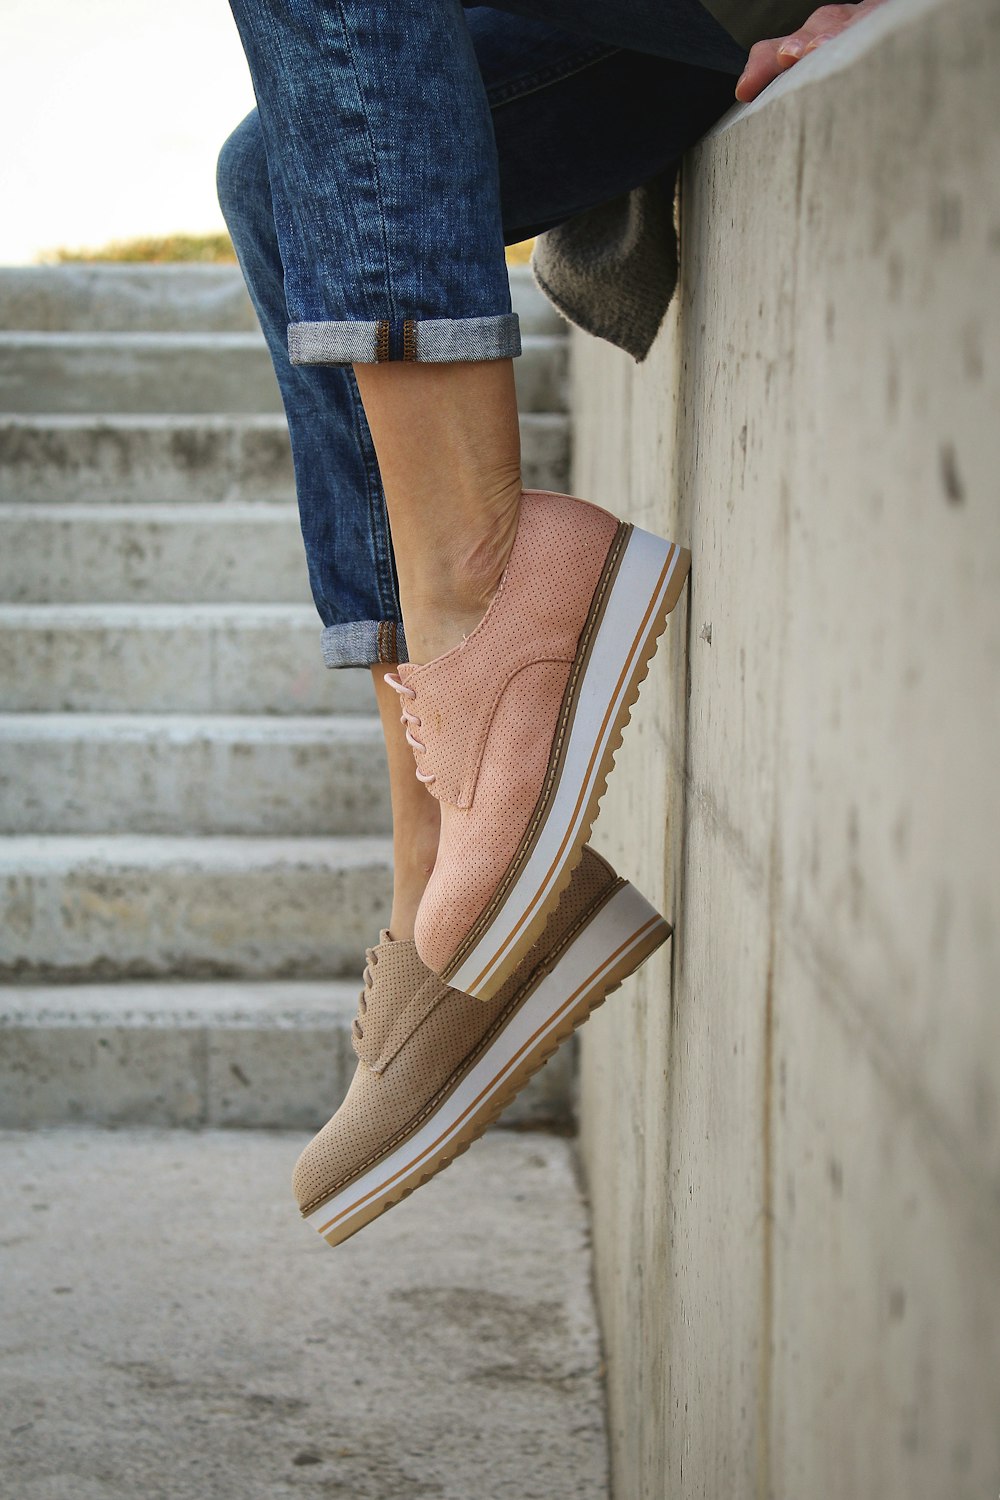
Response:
column 620, row 935
column 646, row 587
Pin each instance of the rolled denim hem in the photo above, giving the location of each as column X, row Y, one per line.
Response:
column 425, row 340
column 363, row 643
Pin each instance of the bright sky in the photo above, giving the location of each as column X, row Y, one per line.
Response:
column 111, row 116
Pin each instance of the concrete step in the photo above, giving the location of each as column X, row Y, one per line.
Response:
column 110, row 773
column 76, row 908
column 195, row 372
column 155, row 459
column 170, row 554
column 171, row 658
column 546, row 450
column 125, row 299
column 136, row 372
column 174, row 1331
column 173, row 298
column 274, row 1054
column 533, row 308
column 139, row 459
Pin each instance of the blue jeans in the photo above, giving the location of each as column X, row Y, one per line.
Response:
column 397, row 146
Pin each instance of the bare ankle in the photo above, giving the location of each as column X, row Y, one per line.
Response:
column 440, row 610
column 479, row 566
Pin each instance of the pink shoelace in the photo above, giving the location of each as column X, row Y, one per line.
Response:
column 357, row 1027
column 406, row 719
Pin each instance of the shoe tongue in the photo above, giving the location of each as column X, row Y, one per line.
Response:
column 392, row 953
column 396, row 976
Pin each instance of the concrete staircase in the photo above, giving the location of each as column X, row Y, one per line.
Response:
column 193, row 814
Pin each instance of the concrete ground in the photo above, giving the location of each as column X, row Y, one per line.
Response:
column 171, row 1330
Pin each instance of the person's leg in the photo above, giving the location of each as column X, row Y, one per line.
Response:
column 340, row 495
column 380, row 142
column 414, row 1062
column 454, row 514
column 341, row 504
column 591, row 105
column 342, row 510
column 433, row 340
column 622, row 119
column 575, row 123
column 517, row 731
column 679, row 30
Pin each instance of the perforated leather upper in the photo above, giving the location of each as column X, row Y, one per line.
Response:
column 488, row 710
column 428, row 1036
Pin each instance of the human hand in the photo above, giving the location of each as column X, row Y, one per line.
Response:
column 770, row 58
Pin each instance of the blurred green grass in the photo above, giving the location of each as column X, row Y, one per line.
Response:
column 207, row 249
column 204, row 249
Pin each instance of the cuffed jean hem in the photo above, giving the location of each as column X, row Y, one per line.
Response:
column 425, row 340
column 363, row 643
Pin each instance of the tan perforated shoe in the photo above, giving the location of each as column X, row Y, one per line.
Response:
column 515, row 730
column 436, row 1067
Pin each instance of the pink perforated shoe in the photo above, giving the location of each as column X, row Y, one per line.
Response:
column 515, row 730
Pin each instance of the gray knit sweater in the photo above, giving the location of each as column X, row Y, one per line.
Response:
column 612, row 270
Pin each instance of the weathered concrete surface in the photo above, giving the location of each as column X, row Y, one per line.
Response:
column 171, row 1328
column 206, row 774
column 128, row 459
column 271, row 1055
column 204, row 459
column 274, row 1055
column 135, row 907
column 136, row 372
column 170, row 658
column 794, row 1147
column 165, row 554
column 125, row 298
column 195, row 372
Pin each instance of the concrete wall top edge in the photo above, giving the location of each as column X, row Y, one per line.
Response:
column 833, row 57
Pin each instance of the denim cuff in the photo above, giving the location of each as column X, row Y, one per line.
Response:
column 363, row 643
column 427, row 340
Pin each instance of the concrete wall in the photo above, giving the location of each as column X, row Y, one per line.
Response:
column 791, row 1123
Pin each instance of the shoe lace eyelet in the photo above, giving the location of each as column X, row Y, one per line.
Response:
column 409, row 720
